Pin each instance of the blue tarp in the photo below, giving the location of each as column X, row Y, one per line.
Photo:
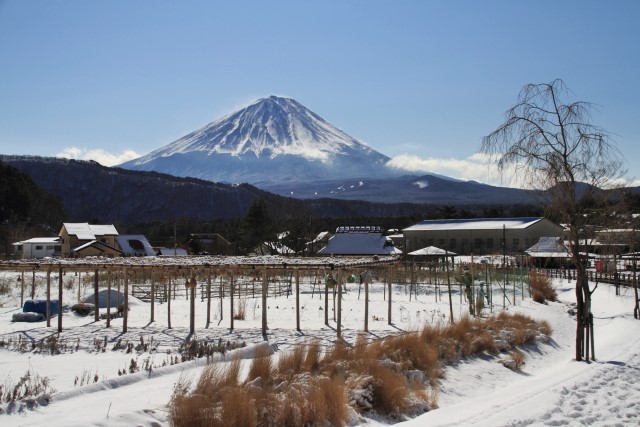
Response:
column 40, row 306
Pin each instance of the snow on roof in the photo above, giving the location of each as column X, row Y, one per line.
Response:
column 43, row 240
column 473, row 224
column 549, row 247
column 321, row 236
column 202, row 261
column 125, row 241
column 359, row 244
column 86, row 231
column 431, row 251
column 95, row 243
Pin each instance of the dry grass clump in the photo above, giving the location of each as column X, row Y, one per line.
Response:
column 541, row 288
column 391, row 377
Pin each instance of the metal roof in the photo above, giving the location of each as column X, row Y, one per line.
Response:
column 474, row 224
column 86, row 231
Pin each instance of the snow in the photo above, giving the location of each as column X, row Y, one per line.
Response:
column 551, row 389
column 475, row 224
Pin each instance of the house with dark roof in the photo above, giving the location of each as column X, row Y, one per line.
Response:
column 549, row 252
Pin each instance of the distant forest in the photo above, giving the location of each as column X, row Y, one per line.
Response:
column 38, row 194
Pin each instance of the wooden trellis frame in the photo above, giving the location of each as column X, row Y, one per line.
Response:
column 204, row 269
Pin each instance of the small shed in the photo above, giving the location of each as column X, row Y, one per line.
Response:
column 549, row 252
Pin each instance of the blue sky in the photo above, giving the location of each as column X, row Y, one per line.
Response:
column 425, row 80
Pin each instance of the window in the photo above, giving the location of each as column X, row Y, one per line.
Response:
column 441, row 243
column 516, row 242
column 452, row 244
column 38, row 247
column 429, row 242
column 489, row 243
column 49, row 247
column 477, row 243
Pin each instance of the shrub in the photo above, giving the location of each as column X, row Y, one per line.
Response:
column 261, row 365
column 240, row 312
column 541, row 288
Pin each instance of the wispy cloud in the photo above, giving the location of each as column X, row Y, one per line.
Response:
column 477, row 167
column 101, row 156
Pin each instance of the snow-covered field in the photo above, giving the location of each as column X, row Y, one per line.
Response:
column 551, row 389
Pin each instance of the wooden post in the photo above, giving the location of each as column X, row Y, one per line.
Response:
column 264, row 302
column 326, row 302
column 108, row 298
column 366, row 306
column 33, row 284
column 125, row 310
column 231, row 319
column 389, row 286
column 60, row 298
column 208, row 297
column 169, row 302
column 49, row 297
column 339, row 320
column 153, row 298
column 298, row 300
column 192, row 305
column 449, row 289
column 221, row 296
column 96, row 301
column 22, row 289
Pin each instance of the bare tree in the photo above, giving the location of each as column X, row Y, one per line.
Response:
column 553, row 145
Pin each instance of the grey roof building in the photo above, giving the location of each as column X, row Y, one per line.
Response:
column 479, row 236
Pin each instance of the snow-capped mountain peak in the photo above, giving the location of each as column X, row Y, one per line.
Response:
column 268, row 128
column 273, row 139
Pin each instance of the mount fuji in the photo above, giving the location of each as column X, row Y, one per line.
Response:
column 273, row 140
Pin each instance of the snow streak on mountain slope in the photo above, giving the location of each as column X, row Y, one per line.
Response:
column 274, row 139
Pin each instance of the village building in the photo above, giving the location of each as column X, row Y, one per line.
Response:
column 134, row 245
column 359, row 241
column 549, row 252
column 37, row 247
column 78, row 235
column 209, row 244
column 481, row 236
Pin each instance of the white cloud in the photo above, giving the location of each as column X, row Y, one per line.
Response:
column 101, row 156
column 473, row 168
